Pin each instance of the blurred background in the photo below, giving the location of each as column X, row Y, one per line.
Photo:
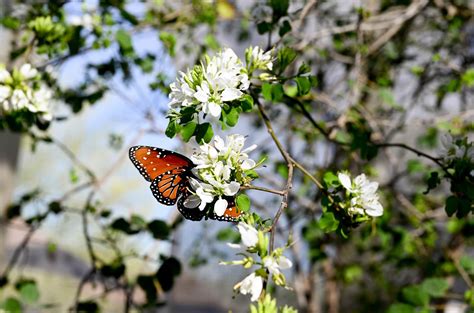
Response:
column 406, row 67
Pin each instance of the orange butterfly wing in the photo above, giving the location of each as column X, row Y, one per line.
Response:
column 151, row 162
column 167, row 170
column 231, row 214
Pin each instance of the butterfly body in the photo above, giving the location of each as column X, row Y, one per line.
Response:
column 169, row 173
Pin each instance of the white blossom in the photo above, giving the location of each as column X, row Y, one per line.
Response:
column 220, row 167
column 4, row 75
column 86, row 20
column 252, row 284
column 258, row 59
column 27, row 71
column 24, row 94
column 274, row 265
column 206, row 87
column 364, row 198
column 456, row 150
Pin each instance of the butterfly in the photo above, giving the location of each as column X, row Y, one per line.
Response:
column 169, row 173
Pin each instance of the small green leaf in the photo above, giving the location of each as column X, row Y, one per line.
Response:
column 267, row 91
column 467, row 263
column 228, row 235
column 11, row 305
column 252, row 174
column 172, row 129
column 452, row 203
column 277, row 92
column 159, row 229
column 124, row 40
column 280, row 8
column 416, row 295
column 187, row 131
column 243, row 202
column 170, row 268
column 204, row 133
column 284, row 28
column 246, row 103
column 328, row 222
column 401, row 308
column 169, row 41
column 435, row 287
column 303, row 84
column 331, row 179
column 29, row 292
column 232, row 116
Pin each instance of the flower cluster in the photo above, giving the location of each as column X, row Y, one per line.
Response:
column 457, row 149
column 257, row 59
column 208, row 86
column 222, row 168
column 363, row 195
column 256, row 242
column 19, row 90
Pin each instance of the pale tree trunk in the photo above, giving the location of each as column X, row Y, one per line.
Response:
column 9, row 143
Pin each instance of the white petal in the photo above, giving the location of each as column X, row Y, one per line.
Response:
column 219, row 143
column 214, row 109
column 232, row 188
column 248, row 164
column 234, row 245
column 230, row 94
column 345, row 180
column 220, row 207
column 248, row 234
column 374, row 209
column 257, row 286
column 284, row 262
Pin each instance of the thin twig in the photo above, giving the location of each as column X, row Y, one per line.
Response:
column 251, row 187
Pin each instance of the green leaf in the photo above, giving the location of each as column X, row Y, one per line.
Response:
column 284, row 28
column 232, row 116
column 401, row 308
column 467, row 263
column 415, row 166
column 303, row 84
column 264, row 27
column 416, row 295
column 159, row 229
column 115, row 269
column 252, row 174
column 187, row 131
column 285, row 57
column 29, row 292
column 243, row 202
column 170, row 268
column 435, row 287
column 452, row 203
column 125, row 41
column 11, row 305
column 468, row 77
column 331, row 179
column 280, row 8
column 55, row 207
column 169, row 41
column 304, row 69
column 432, row 182
column 277, row 92
column 267, row 91
column 204, row 133
column 172, row 129
column 147, row 284
column 246, row 103
column 328, row 222
column 228, row 235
